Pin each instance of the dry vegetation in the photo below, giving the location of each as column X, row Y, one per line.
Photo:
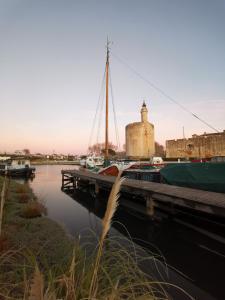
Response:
column 33, row 209
column 41, row 262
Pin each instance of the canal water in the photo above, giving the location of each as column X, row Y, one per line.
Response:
column 195, row 262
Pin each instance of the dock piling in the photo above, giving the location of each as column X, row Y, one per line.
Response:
column 96, row 188
column 149, row 205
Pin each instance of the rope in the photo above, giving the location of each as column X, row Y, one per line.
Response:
column 114, row 112
column 100, row 114
column 96, row 112
column 162, row 92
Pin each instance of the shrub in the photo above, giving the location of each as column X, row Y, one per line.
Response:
column 33, row 209
column 23, row 198
column 22, row 189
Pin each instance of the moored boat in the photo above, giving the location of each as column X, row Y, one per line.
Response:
column 150, row 174
column 16, row 167
column 111, row 170
column 207, row 176
column 133, row 170
column 91, row 161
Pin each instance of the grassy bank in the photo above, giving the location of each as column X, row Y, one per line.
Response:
column 38, row 260
column 28, row 236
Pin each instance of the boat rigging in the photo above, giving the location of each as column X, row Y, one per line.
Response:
column 164, row 94
column 106, row 89
column 107, row 104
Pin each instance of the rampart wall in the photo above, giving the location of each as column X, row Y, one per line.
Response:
column 199, row 146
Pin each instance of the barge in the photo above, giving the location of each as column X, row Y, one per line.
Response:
column 16, row 167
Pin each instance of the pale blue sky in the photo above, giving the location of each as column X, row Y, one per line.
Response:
column 52, row 56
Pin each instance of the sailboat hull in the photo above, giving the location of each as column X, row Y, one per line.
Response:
column 110, row 171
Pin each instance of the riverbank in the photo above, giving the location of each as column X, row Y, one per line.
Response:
column 54, row 162
column 37, row 255
column 28, row 236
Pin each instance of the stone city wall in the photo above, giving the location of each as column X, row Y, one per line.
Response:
column 199, row 146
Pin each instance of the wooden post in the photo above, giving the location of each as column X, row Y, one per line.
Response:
column 76, row 182
column 149, row 205
column 96, row 188
column 62, row 181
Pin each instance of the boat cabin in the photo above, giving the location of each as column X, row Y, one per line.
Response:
column 7, row 163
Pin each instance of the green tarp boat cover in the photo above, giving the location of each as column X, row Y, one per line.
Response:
column 205, row 176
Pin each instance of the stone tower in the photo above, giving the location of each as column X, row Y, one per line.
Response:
column 140, row 142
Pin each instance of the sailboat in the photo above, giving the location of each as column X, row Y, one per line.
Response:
column 93, row 162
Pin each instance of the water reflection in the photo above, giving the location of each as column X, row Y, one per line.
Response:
column 63, row 209
column 199, row 258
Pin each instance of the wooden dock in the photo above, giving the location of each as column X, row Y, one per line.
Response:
column 154, row 194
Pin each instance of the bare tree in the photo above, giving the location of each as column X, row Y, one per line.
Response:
column 26, row 151
column 99, row 148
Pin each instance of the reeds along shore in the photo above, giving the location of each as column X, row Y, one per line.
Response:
column 39, row 261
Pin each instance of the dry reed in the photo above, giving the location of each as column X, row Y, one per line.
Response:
column 37, row 286
column 106, row 223
column 36, row 291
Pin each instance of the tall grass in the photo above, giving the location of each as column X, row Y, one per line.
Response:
column 106, row 223
column 3, row 196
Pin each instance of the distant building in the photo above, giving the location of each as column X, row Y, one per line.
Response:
column 199, row 146
column 20, row 152
column 140, row 142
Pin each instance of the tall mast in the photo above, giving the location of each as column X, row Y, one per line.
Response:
column 107, row 103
